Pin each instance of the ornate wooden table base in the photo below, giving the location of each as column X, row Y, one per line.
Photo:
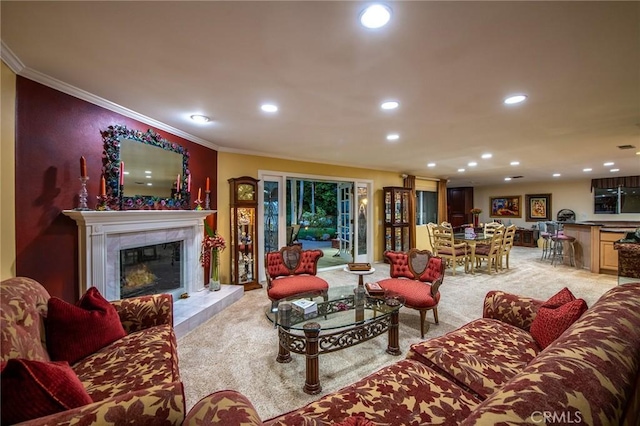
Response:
column 312, row 344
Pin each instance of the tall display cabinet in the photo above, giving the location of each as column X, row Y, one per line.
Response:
column 244, row 251
column 396, row 218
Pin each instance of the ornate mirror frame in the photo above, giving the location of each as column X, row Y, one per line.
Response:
column 111, row 169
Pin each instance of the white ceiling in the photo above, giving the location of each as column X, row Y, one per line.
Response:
column 449, row 64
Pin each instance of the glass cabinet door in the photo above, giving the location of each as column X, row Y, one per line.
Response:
column 396, row 214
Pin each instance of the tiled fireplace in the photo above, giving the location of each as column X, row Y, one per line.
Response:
column 109, row 238
column 104, row 236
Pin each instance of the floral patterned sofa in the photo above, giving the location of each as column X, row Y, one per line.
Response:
column 490, row 371
column 133, row 380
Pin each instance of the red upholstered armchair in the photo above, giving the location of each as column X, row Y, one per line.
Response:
column 416, row 275
column 292, row 271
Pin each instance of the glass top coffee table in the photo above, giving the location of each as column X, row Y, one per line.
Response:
column 348, row 317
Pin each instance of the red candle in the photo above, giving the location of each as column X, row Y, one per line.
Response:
column 178, row 183
column 199, row 189
column 207, row 187
column 83, row 167
column 103, row 186
column 121, row 173
column 189, row 183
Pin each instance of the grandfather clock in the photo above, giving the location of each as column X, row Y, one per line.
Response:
column 243, row 239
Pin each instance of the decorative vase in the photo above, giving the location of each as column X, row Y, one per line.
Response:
column 475, row 220
column 214, row 280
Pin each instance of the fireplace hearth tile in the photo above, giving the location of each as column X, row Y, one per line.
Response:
column 201, row 306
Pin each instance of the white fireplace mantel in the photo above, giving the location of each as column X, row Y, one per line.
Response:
column 102, row 234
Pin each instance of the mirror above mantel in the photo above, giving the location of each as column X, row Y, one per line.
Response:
column 155, row 170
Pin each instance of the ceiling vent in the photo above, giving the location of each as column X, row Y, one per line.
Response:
column 626, row 146
column 517, row 177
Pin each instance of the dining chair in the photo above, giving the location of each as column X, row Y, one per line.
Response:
column 446, row 248
column 430, row 227
column 491, row 227
column 507, row 244
column 491, row 252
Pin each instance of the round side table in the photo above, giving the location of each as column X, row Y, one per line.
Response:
column 360, row 274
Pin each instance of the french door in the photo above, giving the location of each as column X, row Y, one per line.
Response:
column 345, row 221
column 354, row 229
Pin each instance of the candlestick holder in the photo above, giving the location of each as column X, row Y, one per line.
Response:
column 207, row 200
column 198, row 204
column 102, row 203
column 83, row 194
column 121, row 197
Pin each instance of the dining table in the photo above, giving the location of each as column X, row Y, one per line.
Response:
column 472, row 241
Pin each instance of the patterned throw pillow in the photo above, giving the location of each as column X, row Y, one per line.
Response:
column 555, row 316
column 76, row 331
column 32, row 389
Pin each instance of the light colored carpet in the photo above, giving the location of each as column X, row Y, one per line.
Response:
column 237, row 348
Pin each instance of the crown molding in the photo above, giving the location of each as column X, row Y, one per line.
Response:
column 299, row 159
column 19, row 68
column 9, row 58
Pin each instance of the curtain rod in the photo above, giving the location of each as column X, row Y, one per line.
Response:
column 404, row 175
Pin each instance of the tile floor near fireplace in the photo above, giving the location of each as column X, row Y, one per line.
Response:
column 201, row 305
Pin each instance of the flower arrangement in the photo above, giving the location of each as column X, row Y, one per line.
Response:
column 475, row 211
column 211, row 241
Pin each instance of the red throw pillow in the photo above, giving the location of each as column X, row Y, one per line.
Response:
column 32, row 389
column 355, row 421
column 559, row 299
column 76, row 331
column 550, row 323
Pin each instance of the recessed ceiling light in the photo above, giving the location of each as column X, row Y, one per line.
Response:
column 461, row 170
column 126, row 173
column 269, row 108
column 472, row 164
column 390, row 105
column 507, row 178
column 515, row 163
column 148, row 172
column 609, row 163
column 375, row 16
column 515, row 99
column 614, row 170
column 149, row 184
column 148, row 176
column 200, row 118
column 393, row 137
column 587, row 169
column 487, row 155
column 556, row 175
column 431, row 164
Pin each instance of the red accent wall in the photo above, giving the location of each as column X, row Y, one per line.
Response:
column 52, row 131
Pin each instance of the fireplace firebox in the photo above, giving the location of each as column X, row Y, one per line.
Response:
column 151, row 269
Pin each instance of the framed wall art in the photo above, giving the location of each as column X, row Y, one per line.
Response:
column 538, row 207
column 507, row 206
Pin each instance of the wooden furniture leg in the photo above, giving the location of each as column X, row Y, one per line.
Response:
column 393, row 347
column 284, row 355
column 312, row 383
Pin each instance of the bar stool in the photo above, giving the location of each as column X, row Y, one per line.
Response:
column 547, row 230
column 558, row 242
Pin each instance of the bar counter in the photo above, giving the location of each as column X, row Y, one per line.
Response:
column 594, row 243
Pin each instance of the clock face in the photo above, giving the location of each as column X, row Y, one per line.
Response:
column 245, row 192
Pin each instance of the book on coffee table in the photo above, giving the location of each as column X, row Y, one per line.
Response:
column 374, row 289
column 304, row 306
